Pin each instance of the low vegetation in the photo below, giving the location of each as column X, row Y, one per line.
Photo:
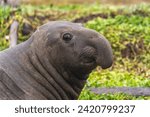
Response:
column 126, row 27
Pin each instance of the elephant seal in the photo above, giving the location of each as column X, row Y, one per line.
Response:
column 53, row 63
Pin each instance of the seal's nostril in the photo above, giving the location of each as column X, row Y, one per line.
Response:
column 88, row 55
column 88, row 52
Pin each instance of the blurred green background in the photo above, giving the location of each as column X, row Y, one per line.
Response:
column 62, row 2
column 125, row 23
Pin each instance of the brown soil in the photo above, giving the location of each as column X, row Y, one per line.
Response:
column 85, row 19
column 133, row 49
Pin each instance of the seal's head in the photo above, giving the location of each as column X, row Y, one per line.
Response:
column 73, row 48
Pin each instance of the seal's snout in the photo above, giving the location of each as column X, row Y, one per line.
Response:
column 106, row 63
column 105, row 55
column 99, row 53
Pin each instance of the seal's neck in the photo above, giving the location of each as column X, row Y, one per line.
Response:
column 67, row 84
column 59, row 83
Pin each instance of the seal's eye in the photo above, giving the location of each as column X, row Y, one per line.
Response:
column 67, row 36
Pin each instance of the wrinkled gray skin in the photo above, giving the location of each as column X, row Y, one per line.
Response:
column 48, row 67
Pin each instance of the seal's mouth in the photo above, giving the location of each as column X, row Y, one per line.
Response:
column 88, row 61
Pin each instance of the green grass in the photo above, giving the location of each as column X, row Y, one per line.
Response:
column 116, row 78
column 122, row 28
column 4, row 15
column 126, row 27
